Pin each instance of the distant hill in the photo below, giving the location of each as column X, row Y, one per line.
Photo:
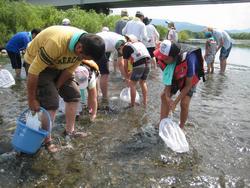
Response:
column 159, row 22
column 192, row 27
column 180, row 25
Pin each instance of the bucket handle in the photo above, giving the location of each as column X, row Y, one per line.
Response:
column 41, row 109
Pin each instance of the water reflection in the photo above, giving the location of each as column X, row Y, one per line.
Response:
column 214, row 86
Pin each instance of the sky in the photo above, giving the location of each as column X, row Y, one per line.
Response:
column 222, row 16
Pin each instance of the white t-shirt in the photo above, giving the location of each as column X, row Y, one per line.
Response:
column 220, row 34
column 136, row 27
column 173, row 35
column 139, row 51
column 153, row 36
column 110, row 38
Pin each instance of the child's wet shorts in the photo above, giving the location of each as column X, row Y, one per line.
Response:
column 140, row 70
column 47, row 93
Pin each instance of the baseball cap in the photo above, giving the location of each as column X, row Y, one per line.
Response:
column 124, row 12
column 105, row 29
column 171, row 25
column 166, row 49
column 66, row 21
column 82, row 76
column 139, row 13
column 119, row 43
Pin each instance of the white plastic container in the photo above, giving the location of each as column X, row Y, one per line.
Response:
column 125, row 95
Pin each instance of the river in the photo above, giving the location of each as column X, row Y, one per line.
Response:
column 124, row 149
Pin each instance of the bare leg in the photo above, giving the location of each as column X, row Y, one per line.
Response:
column 153, row 62
column 70, row 113
column 133, row 92
column 114, row 65
column 223, row 64
column 104, row 85
column 144, row 90
column 212, row 67
column 184, row 110
column 121, row 66
column 18, row 73
column 98, row 87
column 50, row 147
column 165, row 102
column 208, row 68
column 92, row 103
column 52, row 114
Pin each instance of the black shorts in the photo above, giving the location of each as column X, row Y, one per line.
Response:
column 151, row 51
column 15, row 59
column 103, row 64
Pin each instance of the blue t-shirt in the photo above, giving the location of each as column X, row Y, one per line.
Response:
column 192, row 63
column 18, row 42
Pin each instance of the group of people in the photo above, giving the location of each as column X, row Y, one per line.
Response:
column 51, row 59
column 217, row 40
column 182, row 66
column 53, row 56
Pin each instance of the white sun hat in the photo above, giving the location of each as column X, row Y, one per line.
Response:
column 82, row 76
column 65, row 21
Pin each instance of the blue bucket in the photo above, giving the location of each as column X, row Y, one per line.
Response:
column 26, row 139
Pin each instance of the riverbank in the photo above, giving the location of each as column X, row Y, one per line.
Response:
column 245, row 43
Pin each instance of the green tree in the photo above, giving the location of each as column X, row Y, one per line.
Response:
column 162, row 31
column 184, row 35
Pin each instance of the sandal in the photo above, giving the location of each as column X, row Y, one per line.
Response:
column 75, row 134
column 52, row 148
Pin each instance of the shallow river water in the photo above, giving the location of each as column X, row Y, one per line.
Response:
column 124, row 149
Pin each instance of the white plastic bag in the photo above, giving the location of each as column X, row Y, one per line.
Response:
column 6, row 78
column 125, row 95
column 32, row 121
column 173, row 136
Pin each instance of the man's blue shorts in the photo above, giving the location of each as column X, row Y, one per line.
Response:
column 224, row 53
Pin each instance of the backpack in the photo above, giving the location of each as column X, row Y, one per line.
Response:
column 181, row 67
column 189, row 49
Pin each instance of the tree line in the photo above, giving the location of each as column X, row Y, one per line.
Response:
column 16, row 16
